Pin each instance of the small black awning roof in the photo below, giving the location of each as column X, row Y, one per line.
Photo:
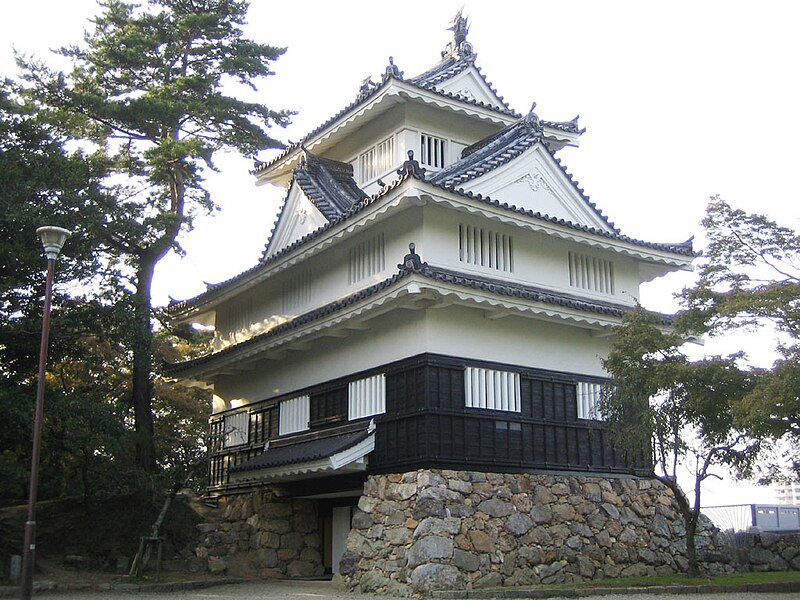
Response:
column 313, row 456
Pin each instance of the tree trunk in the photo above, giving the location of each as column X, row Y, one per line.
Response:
column 142, row 385
column 693, row 569
column 690, row 516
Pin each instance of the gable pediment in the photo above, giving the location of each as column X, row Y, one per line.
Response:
column 470, row 85
column 534, row 181
column 298, row 218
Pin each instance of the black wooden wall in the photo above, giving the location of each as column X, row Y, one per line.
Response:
column 427, row 424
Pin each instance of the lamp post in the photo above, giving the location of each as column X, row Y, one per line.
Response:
column 53, row 239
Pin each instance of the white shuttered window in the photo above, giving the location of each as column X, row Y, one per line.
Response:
column 591, row 273
column 376, row 161
column 235, row 429
column 433, row 151
column 588, row 399
column 294, row 415
column 492, row 390
column 366, row 397
column 366, row 259
column 485, row 248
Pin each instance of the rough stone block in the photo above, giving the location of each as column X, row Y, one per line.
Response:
column 427, row 479
column 481, row 541
column 437, row 526
column 400, row 491
column 429, row 548
column 217, row 565
column 542, row 514
column 372, row 582
column 362, row 520
column 466, row 561
column 519, row 523
column 431, row 577
column 276, row 510
column 397, row 536
column 488, row 580
column 301, row 568
column 428, row 507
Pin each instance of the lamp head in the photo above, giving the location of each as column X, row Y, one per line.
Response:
column 53, row 239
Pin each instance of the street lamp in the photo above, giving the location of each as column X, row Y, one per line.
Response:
column 53, row 239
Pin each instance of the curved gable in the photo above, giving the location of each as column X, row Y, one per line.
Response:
column 534, row 181
column 298, row 218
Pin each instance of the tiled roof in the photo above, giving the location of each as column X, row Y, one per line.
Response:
column 449, row 68
column 683, row 249
column 329, row 184
column 302, row 452
column 500, row 148
column 363, row 98
column 412, row 264
column 309, row 317
column 525, row 292
column 446, row 69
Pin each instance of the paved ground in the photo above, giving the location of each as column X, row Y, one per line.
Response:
column 282, row 590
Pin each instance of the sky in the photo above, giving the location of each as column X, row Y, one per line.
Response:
column 681, row 100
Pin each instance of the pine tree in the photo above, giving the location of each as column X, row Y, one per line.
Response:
column 150, row 88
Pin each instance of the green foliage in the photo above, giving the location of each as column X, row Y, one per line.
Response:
column 749, row 273
column 150, row 95
column 685, row 408
column 716, row 411
column 682, row 410
column 749, row 279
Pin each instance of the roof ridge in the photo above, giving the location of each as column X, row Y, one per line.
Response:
column 682, row 248
column 412, row 263
column 362, row 99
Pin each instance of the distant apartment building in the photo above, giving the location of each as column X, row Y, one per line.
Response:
column 787, row 492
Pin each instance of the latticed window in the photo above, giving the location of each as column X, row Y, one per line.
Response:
column 366, row 259
column 492, row 390
column 591, row 273
column 366, row 397
column 588, row 396
column 235, row 429
column 485, row 248
column 432, row 151
column 297, row 290
column 294, row 415
column 376, row 161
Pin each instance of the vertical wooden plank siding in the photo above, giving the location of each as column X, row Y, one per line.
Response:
column 519, row 419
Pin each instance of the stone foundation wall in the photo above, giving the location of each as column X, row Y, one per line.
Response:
column 435, row 529
column 765, row 551
column 258, row 534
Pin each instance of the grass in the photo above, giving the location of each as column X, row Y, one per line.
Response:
column 667, row 580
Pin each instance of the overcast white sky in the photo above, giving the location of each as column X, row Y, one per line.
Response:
column 681, row 100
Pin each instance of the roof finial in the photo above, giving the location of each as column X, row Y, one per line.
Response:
column 532, row 119
column 411, row 167
column 392, row 71
column 459, row 48
column 460, row 28
column 367, row 85
column 412, row 261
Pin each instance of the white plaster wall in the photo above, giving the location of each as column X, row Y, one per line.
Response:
column 454, row 331
column 466, row 332
column 261, row 307
column 397, row 335
column 472, row 83
column 447, row 124
column 299, row 217
column 377, row 130
column 532, row 181
column 538, row 259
